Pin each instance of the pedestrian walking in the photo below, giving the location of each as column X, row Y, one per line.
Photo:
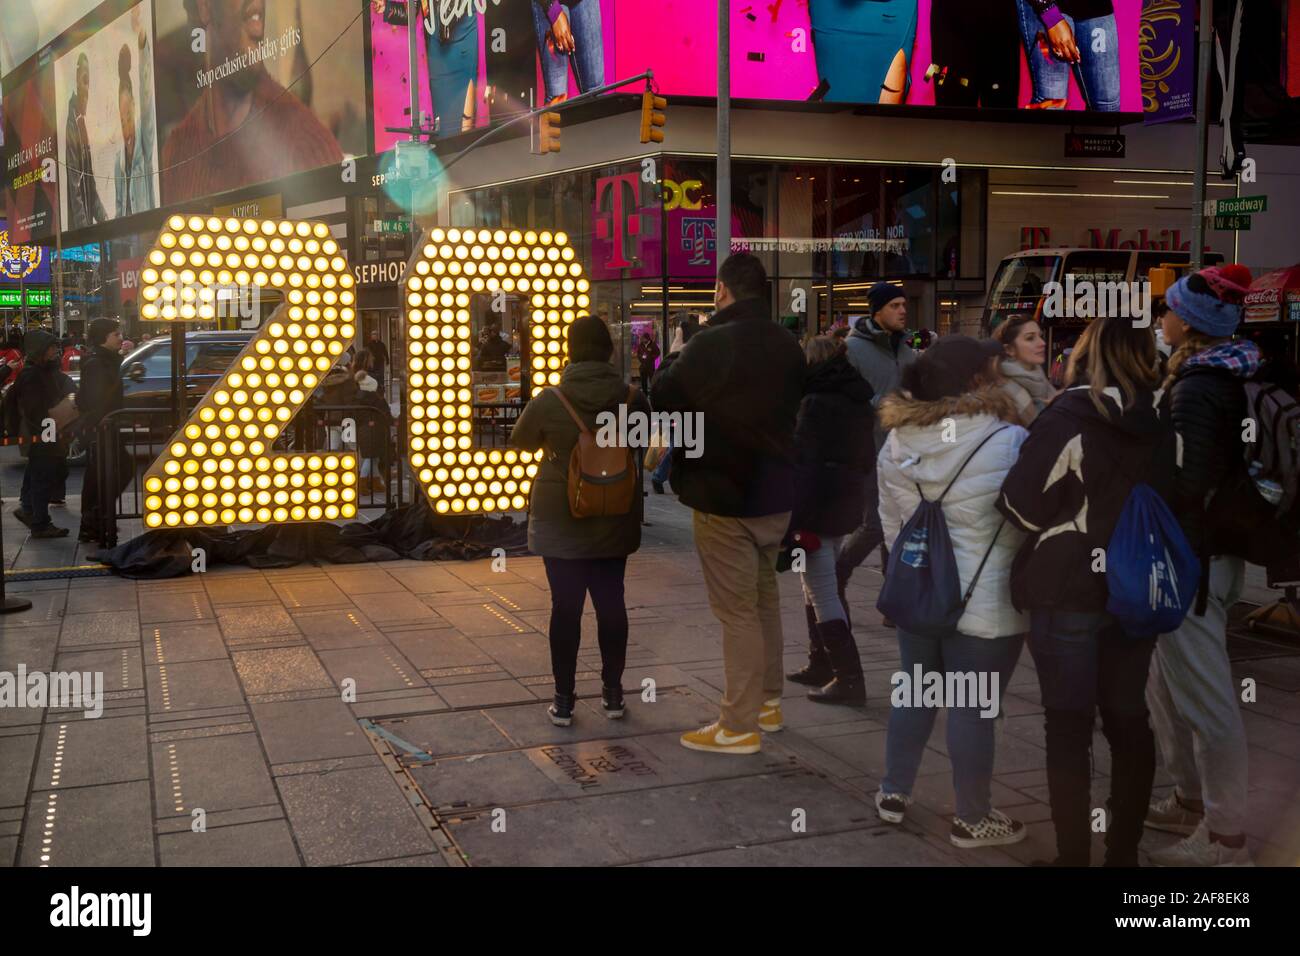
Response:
column 379, row 354
column 1192, row 692
column 374, row 445
column 744, row 376
column 1104, row 434
column 100, row 392
column 1024, row 352
column 41, row 400
column 952, row 440
column 833, row 455
column 647, row 354
column 876, row 348
column 582, row 555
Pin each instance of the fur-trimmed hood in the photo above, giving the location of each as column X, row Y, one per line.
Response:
column 901, row 410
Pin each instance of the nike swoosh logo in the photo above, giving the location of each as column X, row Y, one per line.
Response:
column 724, row 738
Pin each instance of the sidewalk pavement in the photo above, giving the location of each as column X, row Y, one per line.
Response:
column 228, row 701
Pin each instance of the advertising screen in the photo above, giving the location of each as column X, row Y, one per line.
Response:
column 20, row 263
column 30, row 157
column 104, row 94
column 235, row 112
column 483, row 60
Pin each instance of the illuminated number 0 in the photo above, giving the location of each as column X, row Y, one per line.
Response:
column 218, row 469
column 452, row 266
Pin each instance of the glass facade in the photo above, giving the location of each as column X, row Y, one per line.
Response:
column 825, row 232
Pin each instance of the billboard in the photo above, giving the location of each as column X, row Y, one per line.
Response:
column 257, row 90
column 104, row 95
column 30, row 157
column 22, row 264
column 484, row 60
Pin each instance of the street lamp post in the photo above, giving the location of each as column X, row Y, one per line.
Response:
column 722, row 228
column 1205, row 43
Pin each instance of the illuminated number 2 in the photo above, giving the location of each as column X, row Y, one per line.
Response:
column 451, row 266
column 218, row 469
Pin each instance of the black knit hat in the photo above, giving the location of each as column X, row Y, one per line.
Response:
column 948, row 367
column 883, row 293
column 589, row 340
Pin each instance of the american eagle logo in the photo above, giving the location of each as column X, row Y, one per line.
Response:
column 18, row 262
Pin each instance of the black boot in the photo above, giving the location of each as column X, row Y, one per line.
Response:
column 842, row 575
column 1132, row 772
column 847, row 687
column 1069, row 783
column 818, row 669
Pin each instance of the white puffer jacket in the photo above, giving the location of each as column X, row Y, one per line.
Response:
column 927, row 444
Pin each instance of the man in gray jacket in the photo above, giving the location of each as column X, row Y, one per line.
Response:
column 877, row 350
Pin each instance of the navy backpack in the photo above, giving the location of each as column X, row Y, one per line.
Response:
column 1151, row 571
column 922, row 591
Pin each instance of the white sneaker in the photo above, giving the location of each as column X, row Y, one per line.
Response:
column 1172, row 816
column 996, row 829
column 1198, row 850
column 891, row 807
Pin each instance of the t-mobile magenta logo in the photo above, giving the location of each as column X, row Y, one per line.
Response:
column 616, row 220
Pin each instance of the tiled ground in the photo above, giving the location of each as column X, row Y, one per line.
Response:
column 248, row 696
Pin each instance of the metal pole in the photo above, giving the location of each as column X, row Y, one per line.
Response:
column 8, row 605
column 413, row 27
column 1205, row 50
column 58, row 275
column 723, row 175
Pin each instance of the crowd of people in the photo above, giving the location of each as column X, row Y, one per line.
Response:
column 815, row 456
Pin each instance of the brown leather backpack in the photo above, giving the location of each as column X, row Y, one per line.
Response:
column 602, row 480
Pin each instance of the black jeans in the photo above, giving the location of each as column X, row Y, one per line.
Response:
column 46, row 468
column 92, row 495
column 1086, row 663
column 570, row 580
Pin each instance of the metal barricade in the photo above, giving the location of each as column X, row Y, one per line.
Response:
column 360, row 429
column 126, row 442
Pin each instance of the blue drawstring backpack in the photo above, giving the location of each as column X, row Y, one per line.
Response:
column 1151, row 571
column 922, row 591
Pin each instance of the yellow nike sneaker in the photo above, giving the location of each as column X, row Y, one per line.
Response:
column 716, row 740
column 769, row 718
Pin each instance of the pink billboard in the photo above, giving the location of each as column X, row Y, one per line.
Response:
column 482, row 61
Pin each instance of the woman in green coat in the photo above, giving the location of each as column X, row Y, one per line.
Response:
column 581, row 555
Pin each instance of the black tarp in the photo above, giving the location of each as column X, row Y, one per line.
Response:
column 413, row 531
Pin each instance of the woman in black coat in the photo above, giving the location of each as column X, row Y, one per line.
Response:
column 834, row 462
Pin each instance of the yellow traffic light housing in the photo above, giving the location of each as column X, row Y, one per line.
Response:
column 548, row 132
column 653, row 118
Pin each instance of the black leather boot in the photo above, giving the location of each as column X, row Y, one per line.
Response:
column 1069, row 783
column 842, row 576
column 848, row 686
column 818, row 669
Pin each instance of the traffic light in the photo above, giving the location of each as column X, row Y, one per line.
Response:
column 548, row 133
column 652, row 117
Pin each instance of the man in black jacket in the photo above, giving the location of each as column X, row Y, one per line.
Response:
column 100, row 393
column 744, row 376
column 39, row 389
